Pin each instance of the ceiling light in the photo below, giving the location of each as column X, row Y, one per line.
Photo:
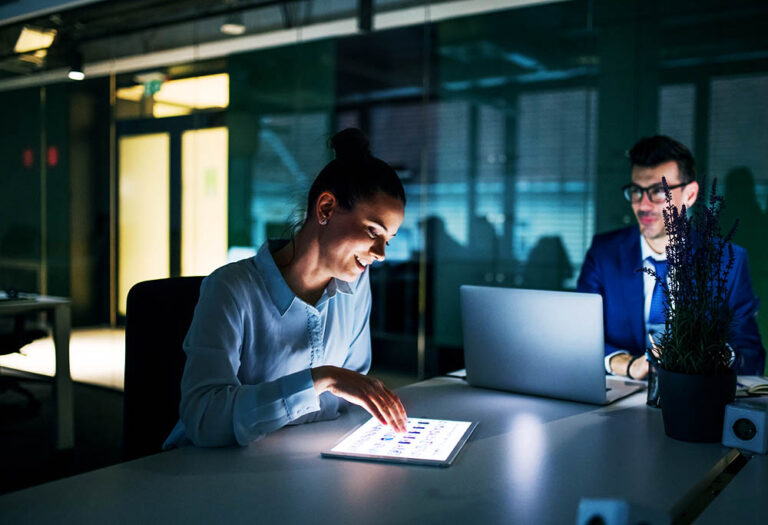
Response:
column 76, row 67
column 229, row 28
column 32, row 39
column 233, row 25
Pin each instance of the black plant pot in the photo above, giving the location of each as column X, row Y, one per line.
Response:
column 693, row 406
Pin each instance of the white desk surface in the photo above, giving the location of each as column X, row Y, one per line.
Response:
column 529, row 461
column 31, row 303
column 744, row 499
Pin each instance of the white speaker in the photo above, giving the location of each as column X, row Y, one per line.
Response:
column 618, row 512
column 745, row 425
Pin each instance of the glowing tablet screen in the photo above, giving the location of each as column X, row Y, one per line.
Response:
column 425, row 441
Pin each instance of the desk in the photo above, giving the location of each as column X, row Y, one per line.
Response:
column 744, row 499
column 59, row 309
column 530, row 460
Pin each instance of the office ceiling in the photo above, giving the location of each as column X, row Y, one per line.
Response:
column 562, row 36
column 110, row 29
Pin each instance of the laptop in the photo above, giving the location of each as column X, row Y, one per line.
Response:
column 538, row 342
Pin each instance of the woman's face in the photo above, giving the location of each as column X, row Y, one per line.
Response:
column 352, row 239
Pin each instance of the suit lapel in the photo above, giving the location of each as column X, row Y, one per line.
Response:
column 633, row 286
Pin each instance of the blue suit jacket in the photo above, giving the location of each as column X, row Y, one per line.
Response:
column 610, row 270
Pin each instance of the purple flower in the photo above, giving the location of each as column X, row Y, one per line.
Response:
column 697, row 315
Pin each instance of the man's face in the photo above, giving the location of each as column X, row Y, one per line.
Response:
column 649, row 214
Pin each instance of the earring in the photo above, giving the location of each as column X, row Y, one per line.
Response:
column 323, row 221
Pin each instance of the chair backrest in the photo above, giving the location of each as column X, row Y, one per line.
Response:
column 158, row 316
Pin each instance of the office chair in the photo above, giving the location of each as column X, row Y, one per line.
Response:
column 158, row 315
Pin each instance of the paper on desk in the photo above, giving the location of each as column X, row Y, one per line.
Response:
column 751, row 385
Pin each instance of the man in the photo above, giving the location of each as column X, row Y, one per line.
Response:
column 631, row 313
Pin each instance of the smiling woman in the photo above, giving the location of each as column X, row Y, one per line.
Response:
column 355, row 205
column 283, row 337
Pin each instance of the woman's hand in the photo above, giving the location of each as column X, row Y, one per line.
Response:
column 364, row 391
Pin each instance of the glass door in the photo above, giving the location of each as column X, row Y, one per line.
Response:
column 203, row 200
column 143, row 211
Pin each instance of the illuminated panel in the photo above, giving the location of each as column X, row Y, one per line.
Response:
column 182, row 96
column 203, row 200
column 144, row 211
column 160, row 110
column 133, row 93
column 210, row 91
column 31, row 39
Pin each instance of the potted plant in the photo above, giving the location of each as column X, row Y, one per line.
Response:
column 692, row 355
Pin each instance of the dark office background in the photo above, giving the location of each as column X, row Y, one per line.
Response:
column 509, row 130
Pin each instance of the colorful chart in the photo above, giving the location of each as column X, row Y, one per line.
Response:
column 425, row 439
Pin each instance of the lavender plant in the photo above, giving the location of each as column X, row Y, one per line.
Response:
column 697, row 315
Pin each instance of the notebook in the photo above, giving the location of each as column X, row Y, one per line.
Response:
column 752, row 386
column 538, row 342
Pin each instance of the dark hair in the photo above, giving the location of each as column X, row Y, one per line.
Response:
column 354, row 174
column 652, row 151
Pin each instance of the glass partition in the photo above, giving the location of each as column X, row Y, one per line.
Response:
column 507, row 122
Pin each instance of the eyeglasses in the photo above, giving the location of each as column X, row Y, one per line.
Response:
column 634, row 193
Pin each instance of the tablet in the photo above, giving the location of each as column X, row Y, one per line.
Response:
column 426, row 442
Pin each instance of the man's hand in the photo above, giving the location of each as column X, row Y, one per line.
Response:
column 619, row 362
column 364, row 391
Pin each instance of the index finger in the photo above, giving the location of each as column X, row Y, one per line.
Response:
column 400, row 413
column 396, row 410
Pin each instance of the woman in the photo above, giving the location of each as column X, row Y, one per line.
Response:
column 281, row 337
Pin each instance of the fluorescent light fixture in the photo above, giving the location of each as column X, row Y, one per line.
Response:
column 182, row 96
column 210, row 91
column 32, row 39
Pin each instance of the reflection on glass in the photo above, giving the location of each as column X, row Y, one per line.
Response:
column 736, row 142
column 528, row 447
column 556, row 170
column 291, row 152
column 677, row 108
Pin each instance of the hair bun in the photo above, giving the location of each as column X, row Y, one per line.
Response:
column 350, row 143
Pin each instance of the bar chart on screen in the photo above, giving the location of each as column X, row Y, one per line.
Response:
column 425, row 441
